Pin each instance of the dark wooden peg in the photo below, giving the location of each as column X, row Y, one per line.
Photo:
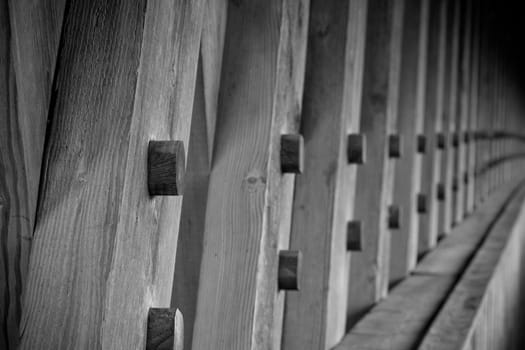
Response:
column 394, row 217
column 166, row 168
column 354, row 236
column 422, row 203
column 466, row 137
column 290, row 262
column 421, row 144
column 455, row 139
column 455, row 184
column 292, row 153
column 440, row 192
column 440, row 140
column 394, row 146
column 356, row 149
column 165, row 329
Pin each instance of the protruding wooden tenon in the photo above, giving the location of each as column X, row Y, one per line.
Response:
column 354, row 236
column 421, row 144
column 394, row 217
column 356, row 149
column 166, row 168
column 394, row 146
column 292, row 153
column 165, row 329
column 290, row 262
column 422, row 203
column 440, row 192
column 440, row 140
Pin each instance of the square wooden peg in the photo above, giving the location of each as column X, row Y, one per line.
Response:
column 166, row 168
column 290, row 262
column 356, row 149
column 292, row 153
column 354, row 236
column 165, row 329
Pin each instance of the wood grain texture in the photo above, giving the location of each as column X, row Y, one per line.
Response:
column 165, row 329
column 193, row 212
column 103, row 250
column 431, row 163
column 292, row 153
column 260, row 99
column 399, row 321
column 464, row 308
column 30, row 33
column 369, row 270
column 407, row 178
column 324, row 192
column 166, row 168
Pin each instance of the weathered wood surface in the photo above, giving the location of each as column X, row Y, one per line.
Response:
column 399, row 321
column 248, row 209
column 103, row 249
column 29, row 39
column 369, row 270
column 200, row 151
column 323, row 193
column 431, row 167
column 407, row 182
column 165, row 329
column 468, row 318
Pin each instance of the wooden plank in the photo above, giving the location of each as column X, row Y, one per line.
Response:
column 431, row 167
column 239, row 306
column 324, row 192
column 403, row 255
column 30, row 33
column 454, row 251
column 400, row 320
column 456, row 321
column 103, row 249
column 449, row 112
column 193, row 212
column 473, row 112
column 369, row 269
column 460, row 165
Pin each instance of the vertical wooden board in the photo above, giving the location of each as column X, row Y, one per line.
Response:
column 323, row 193
column 193, row 211
column 403, row 255
column 463, row 110
column 104, row 249
column 485, row 110
column 431, row 167
column 473, row 110
column 449, row 112
column 212, row 45
column 260, row 98
column 30, row 33
column 200, row 151
column 369, row 269
column 484, row 76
